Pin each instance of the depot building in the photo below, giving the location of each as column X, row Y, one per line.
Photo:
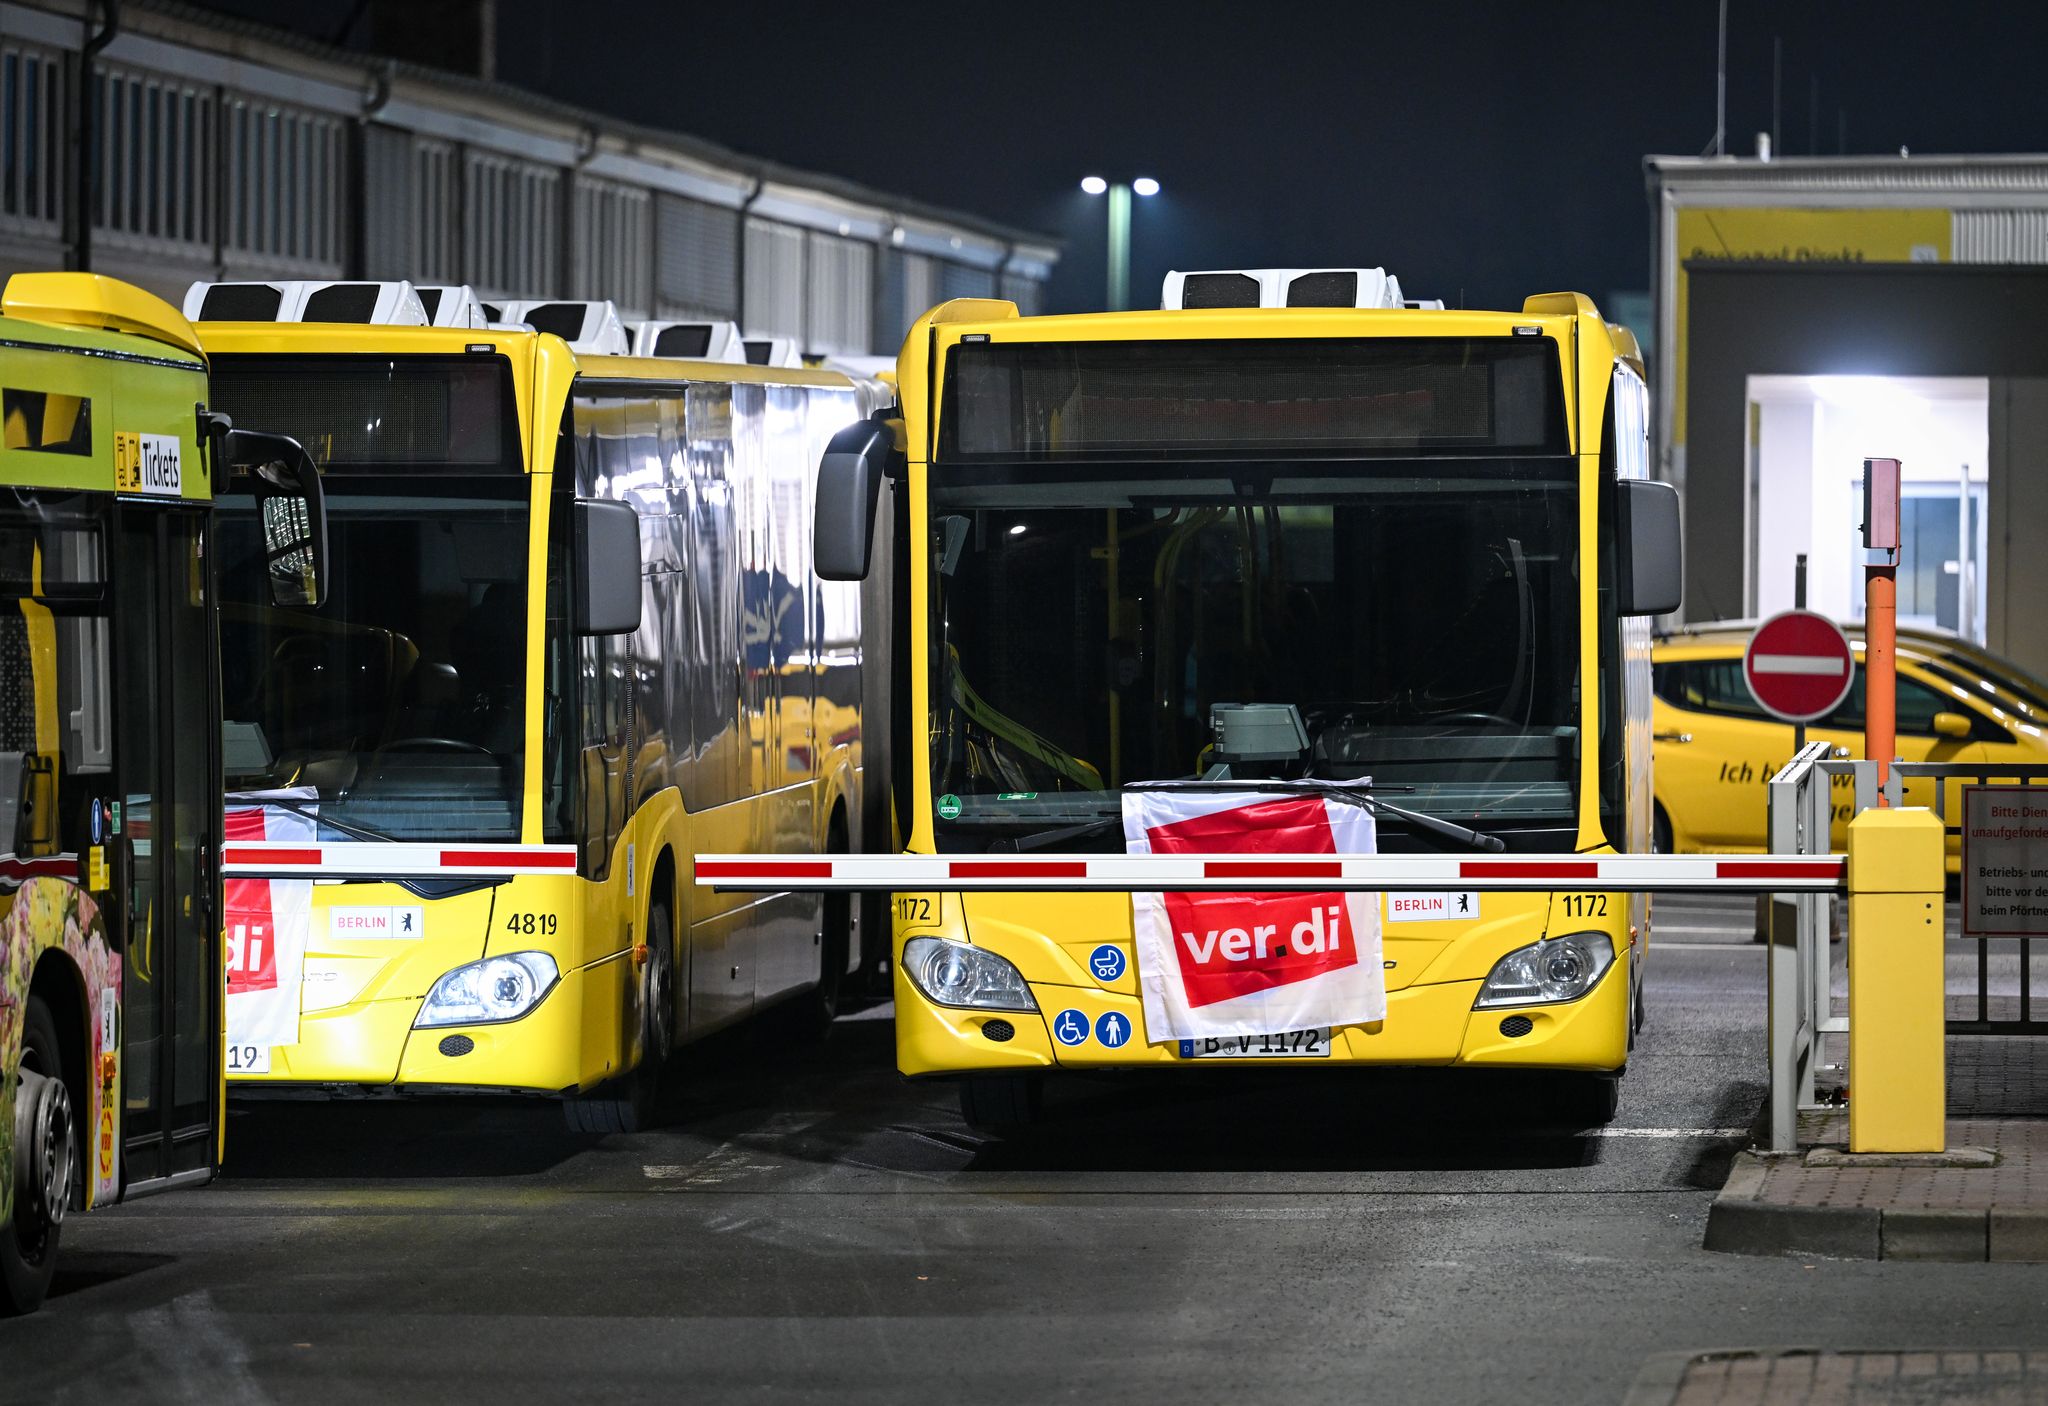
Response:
column 1814, row 312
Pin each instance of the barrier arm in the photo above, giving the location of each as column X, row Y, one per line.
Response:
column 1392, row 873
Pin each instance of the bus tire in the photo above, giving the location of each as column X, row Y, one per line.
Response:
column 1000, row 1102
column 46, row 1172
column 1579, row 1100
column 835, row 935
column 1660, row 832
column 628, row 1103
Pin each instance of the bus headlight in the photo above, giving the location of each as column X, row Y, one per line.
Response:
column 495, row 989
column 1544, row 973
column 955, row 974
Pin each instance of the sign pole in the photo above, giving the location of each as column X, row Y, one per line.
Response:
column 1880, row 617
column 1799, row 603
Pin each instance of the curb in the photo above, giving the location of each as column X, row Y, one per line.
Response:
column 1738, row 1223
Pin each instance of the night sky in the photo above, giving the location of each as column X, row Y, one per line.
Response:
column 1480, row 150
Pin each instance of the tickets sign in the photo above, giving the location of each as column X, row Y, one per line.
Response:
column 1213, row 963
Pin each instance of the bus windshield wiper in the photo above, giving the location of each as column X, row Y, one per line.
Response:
column 354, row 832
column 1443, row 829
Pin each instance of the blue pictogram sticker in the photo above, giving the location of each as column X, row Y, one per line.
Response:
column 1070, row 1027
column 1113, row 1030
column 1107, row 962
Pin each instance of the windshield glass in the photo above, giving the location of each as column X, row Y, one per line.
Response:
column 1422, row 616
column 400, row 700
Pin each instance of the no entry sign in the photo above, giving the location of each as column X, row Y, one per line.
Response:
column 1799, row 666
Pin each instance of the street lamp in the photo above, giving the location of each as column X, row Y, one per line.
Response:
column 1119, row 230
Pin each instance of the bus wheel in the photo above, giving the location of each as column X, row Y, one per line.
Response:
column 1583, row 1100
column 1000, row 1102
column 834, row 930
column 627, row 1104
column 1660, row 832
column 45, row 1166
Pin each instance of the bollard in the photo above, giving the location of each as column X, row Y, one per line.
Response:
column 1898, row 1097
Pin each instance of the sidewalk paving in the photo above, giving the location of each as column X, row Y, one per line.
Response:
column 1986, row 1198
column 1849, row 1378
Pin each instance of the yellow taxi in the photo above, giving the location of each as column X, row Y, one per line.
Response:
column 1716, row 748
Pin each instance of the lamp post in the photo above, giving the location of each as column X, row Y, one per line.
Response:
column 1119, row 195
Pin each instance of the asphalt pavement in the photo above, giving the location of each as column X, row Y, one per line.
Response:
column 811, row 1227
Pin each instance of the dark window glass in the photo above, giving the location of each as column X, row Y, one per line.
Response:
column 1331, row 289
column 565, row 320
column 430, row 299
column 1709, row 686
column 342, row 302
column 240, row 302
column 47, row 422
column 1917, row 705
column 1426, row 629
column 402, row 700
column 1219, row 290
column 428, row 413
column 690, row 339
column 1295, row 398
column 757, row 352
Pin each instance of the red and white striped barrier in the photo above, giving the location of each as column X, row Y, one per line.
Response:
column 1116, row 873
column 377, row 859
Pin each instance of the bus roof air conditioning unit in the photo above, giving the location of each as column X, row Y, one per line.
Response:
column 1281, row 288
column 587, row 326
column 388, row 304
column 697, row 341
column 773, row 351
column 452, row 305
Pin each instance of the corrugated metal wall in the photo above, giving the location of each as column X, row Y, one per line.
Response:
column 613, row 246
column 2001, row 237
column 234, row 161
column 775, row 279
column 839, row 297
column 32, row 107
column 696, row 259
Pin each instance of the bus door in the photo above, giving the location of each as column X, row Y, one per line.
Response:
column 166, row 842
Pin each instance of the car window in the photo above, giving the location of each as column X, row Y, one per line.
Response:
column 1917, row 705
column 1707, row 686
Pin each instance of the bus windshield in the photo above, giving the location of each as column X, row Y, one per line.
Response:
column 401, row 701
column 1422, row 615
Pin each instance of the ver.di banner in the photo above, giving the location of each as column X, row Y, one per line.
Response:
column 1253, row 963
column 268, row 924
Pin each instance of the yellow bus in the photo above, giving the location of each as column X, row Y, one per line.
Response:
column 1423, row 538
column 110, row 896
column 572, row 635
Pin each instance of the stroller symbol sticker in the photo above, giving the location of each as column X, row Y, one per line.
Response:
column 1107, row 962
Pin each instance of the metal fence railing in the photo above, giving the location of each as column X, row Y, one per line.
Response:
column 1809, row 798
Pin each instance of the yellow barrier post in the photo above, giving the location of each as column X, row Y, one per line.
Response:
column 1898, row 1096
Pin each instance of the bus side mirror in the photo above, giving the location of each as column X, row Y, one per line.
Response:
column 607, row 547
column 1650, row 549
column 849, row 480
column 286, row 483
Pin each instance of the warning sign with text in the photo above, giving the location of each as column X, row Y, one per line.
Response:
column 1253, row 963
column 2005, row 861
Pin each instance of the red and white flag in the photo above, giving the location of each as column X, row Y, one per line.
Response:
column 268, row 923
column 1253, row 963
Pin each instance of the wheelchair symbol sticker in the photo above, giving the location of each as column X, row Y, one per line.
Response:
column 1107, row 962
column 1070, row 1027
column 1113, row 1030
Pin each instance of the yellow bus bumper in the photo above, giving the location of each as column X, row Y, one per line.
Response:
column 572, row 1040
column 1426, row 1025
